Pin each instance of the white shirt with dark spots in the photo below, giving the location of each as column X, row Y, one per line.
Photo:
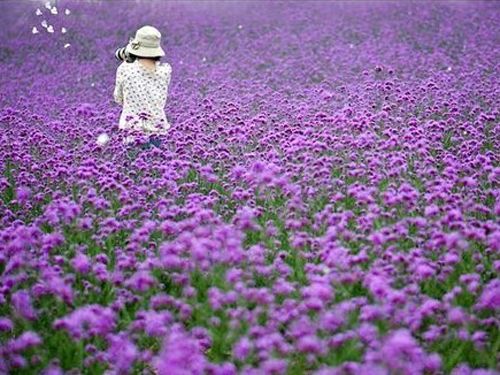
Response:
column 143, row 94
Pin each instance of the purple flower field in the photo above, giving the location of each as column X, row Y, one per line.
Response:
column 327, row 200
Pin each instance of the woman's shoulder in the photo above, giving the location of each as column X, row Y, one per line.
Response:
column 124, row 67
column 165, row 67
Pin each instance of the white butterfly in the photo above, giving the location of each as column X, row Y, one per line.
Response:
column 63, row 30
column 50, row 29
column 44, row 23
column 67, row 12
column 67, row 45
column 38, row 12
column 53, row 10
column 47, row 5
column 34, row 30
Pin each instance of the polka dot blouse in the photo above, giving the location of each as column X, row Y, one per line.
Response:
column 143, row 94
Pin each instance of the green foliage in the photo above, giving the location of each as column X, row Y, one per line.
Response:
column 454, row 351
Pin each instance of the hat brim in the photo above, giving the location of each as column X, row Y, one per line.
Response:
column 145, row 51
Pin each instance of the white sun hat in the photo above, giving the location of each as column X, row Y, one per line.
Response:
column 146, row 43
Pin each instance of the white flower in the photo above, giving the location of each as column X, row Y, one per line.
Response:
column 44, row 23
column 47, row 5
column 102, row 139
column 53, row 10
column 67, row 12
column 351, row 45
column 50, row 29
column 38, row 12
column 63, row 30
column 204, row 59
column 67, row 45
column 240, row 27
column 448, row 69
column 34, row 30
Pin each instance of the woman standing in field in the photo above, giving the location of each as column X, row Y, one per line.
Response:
column 142, row 85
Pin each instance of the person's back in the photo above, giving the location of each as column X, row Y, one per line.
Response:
column 142, row 85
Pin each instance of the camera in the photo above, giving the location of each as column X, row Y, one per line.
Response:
column 122, row 55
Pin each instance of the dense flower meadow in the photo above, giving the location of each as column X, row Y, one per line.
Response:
column 327, row 200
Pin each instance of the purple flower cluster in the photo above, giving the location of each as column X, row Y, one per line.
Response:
column 327, row 200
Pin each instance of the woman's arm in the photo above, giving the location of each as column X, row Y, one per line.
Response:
column 118, row 93
column 168, row 76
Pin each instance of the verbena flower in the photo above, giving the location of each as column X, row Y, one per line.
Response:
column 88, row 321
column 180, row 354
